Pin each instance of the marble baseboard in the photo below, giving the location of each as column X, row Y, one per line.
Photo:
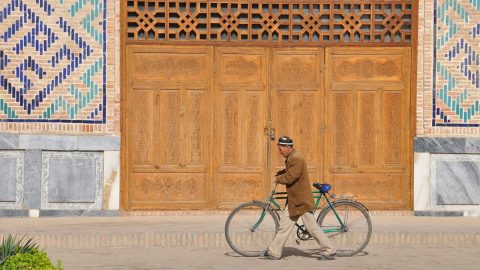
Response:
column 456, row 179
column 8, row 141
column 111, row 168
column 13, row 213
column 11, row 179
column 440, row 145
column 59, row 213
column 72, row 180
column 79, row 213
column 447, row 174
column 33, row 179
column 447, row 183
column 12, row 141
column 447, row 213
column 439, row 213
column 59, row 173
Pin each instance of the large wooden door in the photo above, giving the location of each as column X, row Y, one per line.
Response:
column 169, row 124
column 368, row 140
column 241, row 107
column 297, row 102
column 199, row 120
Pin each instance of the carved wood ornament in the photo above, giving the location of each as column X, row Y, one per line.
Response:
column 267, row 22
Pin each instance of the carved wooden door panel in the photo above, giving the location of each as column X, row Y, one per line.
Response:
column 368, row 136
column 297, row 105
column 241, row 76
column 169, row 123
column 195, row 119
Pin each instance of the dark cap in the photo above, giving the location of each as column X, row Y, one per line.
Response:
column 285, row 140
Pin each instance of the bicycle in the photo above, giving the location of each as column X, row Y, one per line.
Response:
column 251, row 226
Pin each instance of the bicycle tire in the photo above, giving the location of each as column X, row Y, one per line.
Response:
column 238, row 229
column 356, row 234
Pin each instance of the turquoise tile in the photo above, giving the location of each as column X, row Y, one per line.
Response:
column 445, row 93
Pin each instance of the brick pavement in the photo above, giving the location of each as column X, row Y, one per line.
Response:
column 207, row 230
column 196, row 241
column 378, row 258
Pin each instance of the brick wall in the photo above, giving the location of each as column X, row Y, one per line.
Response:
column 448, row 93
column 59, row 66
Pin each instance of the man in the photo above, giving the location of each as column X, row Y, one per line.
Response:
column 299, row 203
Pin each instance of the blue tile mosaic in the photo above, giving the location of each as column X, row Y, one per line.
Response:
column 53, row 61
column 456, row 69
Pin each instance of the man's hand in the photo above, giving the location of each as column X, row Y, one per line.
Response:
column 276, row 179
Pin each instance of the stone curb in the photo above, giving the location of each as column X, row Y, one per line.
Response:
column 216, row 239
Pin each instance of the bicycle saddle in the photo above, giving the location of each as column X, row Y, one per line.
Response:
column 324, row 188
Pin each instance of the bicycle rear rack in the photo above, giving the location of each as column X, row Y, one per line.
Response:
column 342, row 197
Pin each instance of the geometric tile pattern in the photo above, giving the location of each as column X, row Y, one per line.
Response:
column 53, row 61
column 456, row 63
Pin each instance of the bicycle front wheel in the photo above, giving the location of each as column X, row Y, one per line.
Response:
column 348, row 225
column 249, row 230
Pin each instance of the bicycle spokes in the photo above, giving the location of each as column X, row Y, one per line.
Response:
column 250, row 228
column 348, row 226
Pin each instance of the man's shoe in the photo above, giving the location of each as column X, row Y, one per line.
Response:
column 263, row 253
column 327, row 255
column 268, row 255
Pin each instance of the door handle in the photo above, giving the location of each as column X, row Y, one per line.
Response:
column 272, row 134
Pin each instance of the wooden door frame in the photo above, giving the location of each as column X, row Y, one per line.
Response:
column 123, row 154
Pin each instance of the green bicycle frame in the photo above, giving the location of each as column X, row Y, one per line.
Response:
column 264, row 212
column 282, row 195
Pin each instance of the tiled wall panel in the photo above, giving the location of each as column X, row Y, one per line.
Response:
column 57, row 66
column 448, row 99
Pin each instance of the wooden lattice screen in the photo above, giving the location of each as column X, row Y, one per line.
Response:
column 301, row 22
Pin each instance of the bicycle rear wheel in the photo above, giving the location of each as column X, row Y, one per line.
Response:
column 349, row 227
column 239, row 232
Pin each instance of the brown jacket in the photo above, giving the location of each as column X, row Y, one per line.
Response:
column 295, row 177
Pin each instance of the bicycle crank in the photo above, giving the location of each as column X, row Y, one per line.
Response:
column 302, row 233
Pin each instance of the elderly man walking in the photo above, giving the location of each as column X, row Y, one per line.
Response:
column 300, row 203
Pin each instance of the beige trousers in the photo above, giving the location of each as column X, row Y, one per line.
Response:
column 285, row 228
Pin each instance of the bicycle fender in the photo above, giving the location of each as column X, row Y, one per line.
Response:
column 351, row 201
